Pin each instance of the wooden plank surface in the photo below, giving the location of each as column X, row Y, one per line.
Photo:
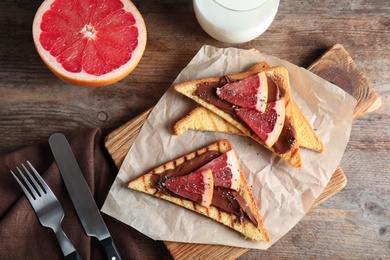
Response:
column 120, row 140
column 34, row 103
column 338, row 67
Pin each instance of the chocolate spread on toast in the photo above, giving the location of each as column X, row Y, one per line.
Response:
column 224, row 199
column 207, row 92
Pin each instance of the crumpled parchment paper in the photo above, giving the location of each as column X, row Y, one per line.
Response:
column 284, row 194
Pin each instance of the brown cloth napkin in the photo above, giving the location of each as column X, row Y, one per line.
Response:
column 22, row 236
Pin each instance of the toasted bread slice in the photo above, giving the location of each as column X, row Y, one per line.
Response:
column 245, row 227
column 202, row 119
column 306, row 135
column 279, row 76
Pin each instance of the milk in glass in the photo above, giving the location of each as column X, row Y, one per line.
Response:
column 235, row 21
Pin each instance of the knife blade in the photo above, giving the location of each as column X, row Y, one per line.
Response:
column 81, row 196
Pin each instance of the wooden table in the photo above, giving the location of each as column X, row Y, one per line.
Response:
column 354, row 224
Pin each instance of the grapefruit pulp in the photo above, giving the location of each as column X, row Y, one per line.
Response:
column 251, row 92
column 267, row 125
column 87, row 42
column 197, row 186
column 225, row 171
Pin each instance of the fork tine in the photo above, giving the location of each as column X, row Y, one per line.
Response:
column 37, row 186
column 33, row 190
column 39, row 178
column 26, row 192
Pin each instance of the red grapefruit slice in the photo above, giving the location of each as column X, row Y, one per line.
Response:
column 251, row 92
column 197, row 186
column 267, row 125
column 89, row 43
column 225, row 171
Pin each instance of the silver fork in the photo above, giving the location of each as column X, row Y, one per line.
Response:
column 47, row 207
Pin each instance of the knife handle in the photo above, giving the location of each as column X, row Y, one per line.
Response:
column 110, row 249
column 73, row 256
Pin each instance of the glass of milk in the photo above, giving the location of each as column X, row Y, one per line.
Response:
column 235, row 21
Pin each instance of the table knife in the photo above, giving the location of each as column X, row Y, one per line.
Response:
column 81, row 196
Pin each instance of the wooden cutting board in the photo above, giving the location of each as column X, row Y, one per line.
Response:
column 336, row 66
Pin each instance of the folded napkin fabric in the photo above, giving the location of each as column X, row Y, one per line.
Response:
column 22, row 236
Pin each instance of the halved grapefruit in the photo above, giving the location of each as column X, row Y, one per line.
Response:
column 225, row 171
column 197, row 186
column 251, row 92
column 87, row 42
column 267, row 125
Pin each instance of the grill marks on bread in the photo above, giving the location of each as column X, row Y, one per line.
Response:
column 250, row 230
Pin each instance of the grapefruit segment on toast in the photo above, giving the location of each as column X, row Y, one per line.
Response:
column 251, row 92
column 225, row 171
column 267, row 125
column 197, row 186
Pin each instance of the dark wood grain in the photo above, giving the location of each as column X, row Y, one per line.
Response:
column 34, row 104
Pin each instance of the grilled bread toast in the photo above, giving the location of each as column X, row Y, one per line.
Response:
column 204, row 120
column 250, row 225
column 279, row 76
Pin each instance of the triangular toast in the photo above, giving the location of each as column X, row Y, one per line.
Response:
column 279, row 76
column 306, row 135
column 202, row 119
column 205, row 120
column 246, row 227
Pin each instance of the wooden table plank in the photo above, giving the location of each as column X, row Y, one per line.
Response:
column 34, row 103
